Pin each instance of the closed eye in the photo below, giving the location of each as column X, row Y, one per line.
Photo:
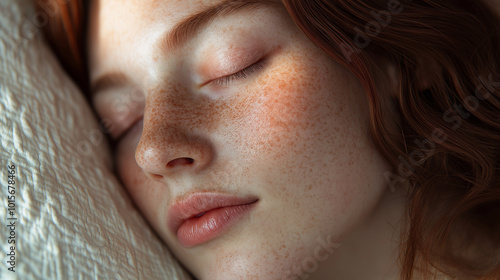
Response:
column 243, row 74
column 135, row 126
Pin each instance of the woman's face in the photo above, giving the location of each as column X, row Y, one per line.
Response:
column 245, row 110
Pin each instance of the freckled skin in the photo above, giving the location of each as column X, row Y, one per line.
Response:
column 295, row 134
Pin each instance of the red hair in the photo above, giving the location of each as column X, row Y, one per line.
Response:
column 64, row 28
column 445, row 142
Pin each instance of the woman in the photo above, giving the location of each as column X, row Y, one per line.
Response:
column 301, row 139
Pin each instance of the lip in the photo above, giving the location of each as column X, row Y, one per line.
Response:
column 202, row 217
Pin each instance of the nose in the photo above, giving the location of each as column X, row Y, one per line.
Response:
column 168, row 146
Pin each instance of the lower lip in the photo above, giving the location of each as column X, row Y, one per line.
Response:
column 201, row 229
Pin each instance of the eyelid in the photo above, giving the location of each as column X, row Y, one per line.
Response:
column 123, row 134
column 225, row 61
column 242, row 74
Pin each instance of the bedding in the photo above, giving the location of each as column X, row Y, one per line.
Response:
column 63, row 213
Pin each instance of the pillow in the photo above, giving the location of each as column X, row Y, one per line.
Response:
column 63, row 213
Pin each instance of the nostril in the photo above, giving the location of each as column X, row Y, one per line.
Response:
column 180, row 162
column 156, row 176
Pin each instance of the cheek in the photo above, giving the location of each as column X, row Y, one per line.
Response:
column 306, row 135
column 147, row 195
column 306, row 116
column 271, row 117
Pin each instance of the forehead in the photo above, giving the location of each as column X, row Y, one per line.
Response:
column 132, row 15
column 120, row 30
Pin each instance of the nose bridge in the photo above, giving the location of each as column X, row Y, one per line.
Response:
column 170, row 103
column 176, row 105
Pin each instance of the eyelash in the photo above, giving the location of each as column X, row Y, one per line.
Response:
column 224, row 81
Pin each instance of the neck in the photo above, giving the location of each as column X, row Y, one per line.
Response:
column 371, row 251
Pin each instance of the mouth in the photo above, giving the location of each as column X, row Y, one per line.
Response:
column 202, row 217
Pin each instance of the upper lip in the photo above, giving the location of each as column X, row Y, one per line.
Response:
column 199, row 203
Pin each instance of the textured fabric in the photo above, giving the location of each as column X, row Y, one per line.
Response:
column 74, row 220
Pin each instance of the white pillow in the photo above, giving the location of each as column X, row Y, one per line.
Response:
column 74, row 220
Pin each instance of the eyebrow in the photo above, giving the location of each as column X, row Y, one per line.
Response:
column 183, row 32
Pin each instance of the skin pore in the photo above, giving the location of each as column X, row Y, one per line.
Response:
column 292, row 130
